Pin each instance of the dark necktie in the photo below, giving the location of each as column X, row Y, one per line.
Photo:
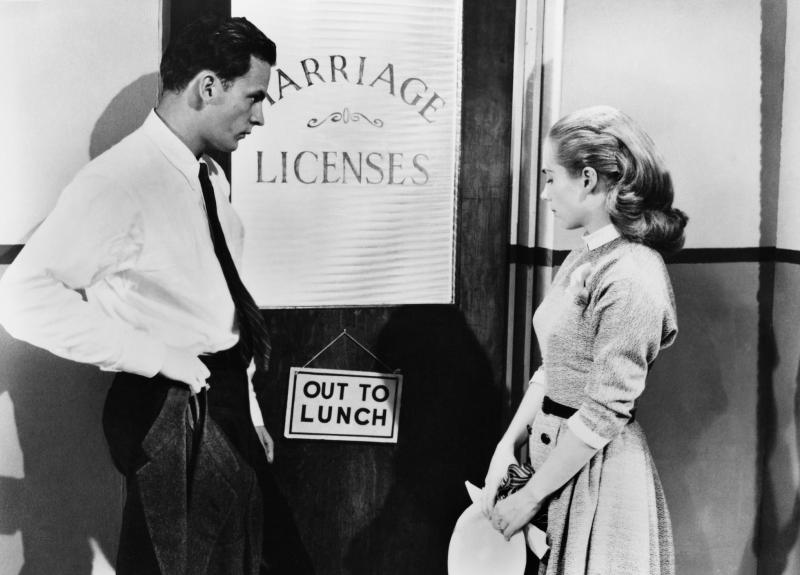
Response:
column 253, row 335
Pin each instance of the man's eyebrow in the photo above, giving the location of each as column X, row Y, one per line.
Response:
column 259, row 95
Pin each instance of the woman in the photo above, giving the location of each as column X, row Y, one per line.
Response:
column 609, row 311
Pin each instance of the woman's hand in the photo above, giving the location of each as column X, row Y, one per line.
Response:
column 515, row 511
column 498, row 468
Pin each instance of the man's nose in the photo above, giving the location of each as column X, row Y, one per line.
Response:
column 257, row 114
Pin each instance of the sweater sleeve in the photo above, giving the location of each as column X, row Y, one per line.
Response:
column 628, row 322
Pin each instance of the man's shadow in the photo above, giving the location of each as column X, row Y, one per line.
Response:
column 70, row 493
column 449, row 424
column 779, row 524
column 124, row 114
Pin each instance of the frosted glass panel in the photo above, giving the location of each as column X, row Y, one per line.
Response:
column 348, row 192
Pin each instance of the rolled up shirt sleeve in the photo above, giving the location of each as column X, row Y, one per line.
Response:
column 94, row 231
column 628, row 324
column 255, row 409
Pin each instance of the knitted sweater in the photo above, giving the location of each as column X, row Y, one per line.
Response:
column 609, row 312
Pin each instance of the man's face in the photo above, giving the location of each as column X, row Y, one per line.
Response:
column 238, row 108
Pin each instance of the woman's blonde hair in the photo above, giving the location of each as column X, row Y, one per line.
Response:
column 640, row 194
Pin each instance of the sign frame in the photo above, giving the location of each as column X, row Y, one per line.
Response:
column 294, row 402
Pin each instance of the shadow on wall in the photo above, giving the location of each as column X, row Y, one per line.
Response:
column 124, row 113
column 777, row 541
column 671, row 405
column 449, row 424
column 70, row 491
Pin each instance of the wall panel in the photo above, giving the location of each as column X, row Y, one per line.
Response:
column 789, row 209
column 700, row 415
column 780, row 510
column 78, row 86
column 684, row 70
column 84, row 75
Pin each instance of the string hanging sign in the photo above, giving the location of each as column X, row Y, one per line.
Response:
column 343, row 405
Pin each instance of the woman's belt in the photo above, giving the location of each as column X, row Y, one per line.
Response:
column 550, row 407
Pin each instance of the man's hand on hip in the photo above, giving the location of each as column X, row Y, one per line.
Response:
column 185, row 367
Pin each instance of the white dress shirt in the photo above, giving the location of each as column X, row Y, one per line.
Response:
column 131, row 232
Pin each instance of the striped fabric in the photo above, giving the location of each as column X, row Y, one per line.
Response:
column 516, row 478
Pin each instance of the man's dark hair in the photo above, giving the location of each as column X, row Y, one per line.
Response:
column 222, row 45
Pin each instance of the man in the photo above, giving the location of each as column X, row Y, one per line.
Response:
column 134, row 271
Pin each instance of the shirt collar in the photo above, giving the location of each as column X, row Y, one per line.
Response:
column 601, row 237
column 171, row 146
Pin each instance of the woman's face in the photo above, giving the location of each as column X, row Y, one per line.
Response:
column 564, row 193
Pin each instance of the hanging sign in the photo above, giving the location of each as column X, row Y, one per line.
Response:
column 348, row 192
column 343, row 405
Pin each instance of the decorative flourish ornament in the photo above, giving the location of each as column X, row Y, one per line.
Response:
column 345, row 116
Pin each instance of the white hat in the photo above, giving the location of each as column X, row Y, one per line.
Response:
column 477, row 548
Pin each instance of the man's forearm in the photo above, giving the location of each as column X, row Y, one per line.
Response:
column 37, row 308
